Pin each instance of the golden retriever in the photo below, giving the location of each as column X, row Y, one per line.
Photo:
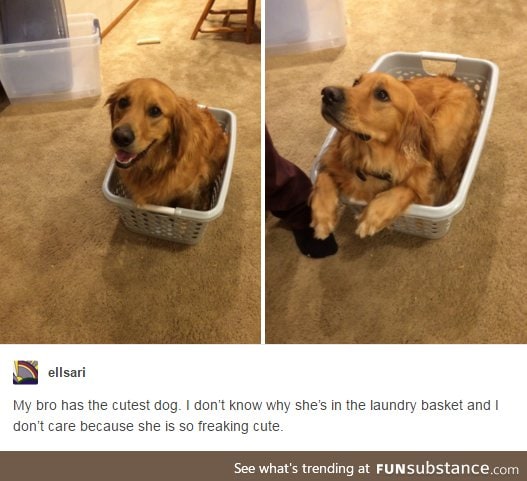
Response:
column 168, row 150
column 398, row 143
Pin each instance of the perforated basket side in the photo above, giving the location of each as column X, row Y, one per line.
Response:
column 162, row 226
column 422, row 227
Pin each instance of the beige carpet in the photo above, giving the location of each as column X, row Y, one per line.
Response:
column 70, row 271
column 470, row 286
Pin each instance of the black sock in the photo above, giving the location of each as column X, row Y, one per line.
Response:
column 316, row 248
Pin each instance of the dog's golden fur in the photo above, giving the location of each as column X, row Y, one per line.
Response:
column 398, row 143
column 168, row 149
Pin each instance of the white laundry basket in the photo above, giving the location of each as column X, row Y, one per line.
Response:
column 482, row 77
column 175, row 224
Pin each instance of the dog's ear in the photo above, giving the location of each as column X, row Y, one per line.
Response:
column 416, row 136
column 175, row 136
column 111, row 101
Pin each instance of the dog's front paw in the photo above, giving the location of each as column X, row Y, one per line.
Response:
column 323, row 218
column 322, row 228
column 324, row 203
column 139, row 202
column 365, row 229
column 370, row 223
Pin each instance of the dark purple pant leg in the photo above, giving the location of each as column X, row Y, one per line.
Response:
column 287, row 188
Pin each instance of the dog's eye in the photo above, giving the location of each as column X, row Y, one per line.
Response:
column 154, row 111
column 356, row 82
column 123, row 102
column 382, row 95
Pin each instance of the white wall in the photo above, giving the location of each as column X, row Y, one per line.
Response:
column 105, row 10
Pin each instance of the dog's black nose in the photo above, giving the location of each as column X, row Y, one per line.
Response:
column 123, row 136
column 332, row 95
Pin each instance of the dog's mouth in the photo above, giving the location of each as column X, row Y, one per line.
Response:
column 329, row 115
column 124, row 159
column 332, row 118
column 363, row 137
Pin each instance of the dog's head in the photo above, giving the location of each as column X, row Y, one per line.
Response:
column 381, row 108
column 144, row 115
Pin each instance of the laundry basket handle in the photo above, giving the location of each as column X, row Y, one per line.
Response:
column 446, row 57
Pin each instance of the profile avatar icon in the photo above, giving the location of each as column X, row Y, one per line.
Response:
column 25, row 372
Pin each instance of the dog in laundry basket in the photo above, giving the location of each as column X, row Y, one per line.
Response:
column 398, row 143
column 168, row 150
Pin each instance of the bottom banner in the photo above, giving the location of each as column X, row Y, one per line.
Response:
column 219, row 466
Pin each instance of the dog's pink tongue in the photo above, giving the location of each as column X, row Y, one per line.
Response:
column 124, row 157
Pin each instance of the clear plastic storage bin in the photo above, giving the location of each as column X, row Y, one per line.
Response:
column 58, row 69
column 296, row 26
column 482, row 77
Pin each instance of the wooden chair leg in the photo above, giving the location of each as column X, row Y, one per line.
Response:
column 206, row 10
column 251, row 7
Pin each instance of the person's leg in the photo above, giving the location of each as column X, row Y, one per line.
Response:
column 287, row 190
